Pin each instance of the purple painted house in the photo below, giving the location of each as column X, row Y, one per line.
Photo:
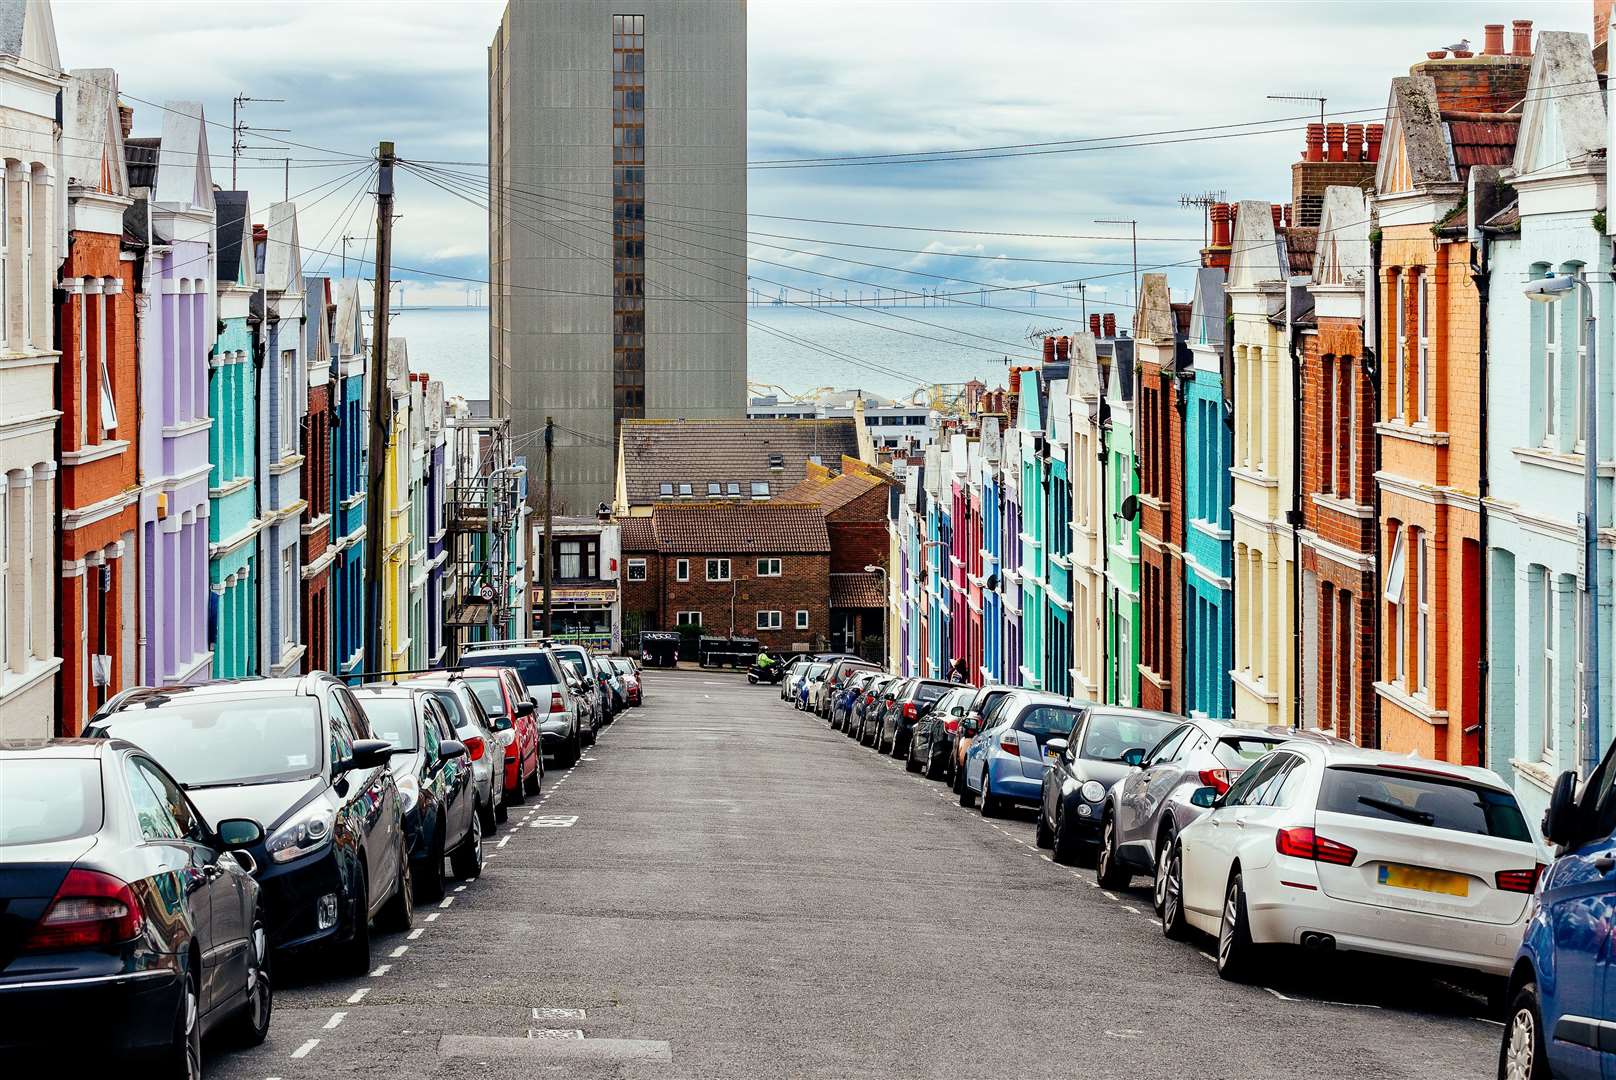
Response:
column 173, row 217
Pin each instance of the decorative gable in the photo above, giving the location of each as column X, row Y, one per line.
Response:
column 93, row 151
column 1392, row 176
column 1256, row 256
column 1207, row 308
column 283, row 253
column 1343, row 252
column 350, row 333
column 184, row 174
column 1559, row 129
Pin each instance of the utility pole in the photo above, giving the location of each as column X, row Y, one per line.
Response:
column 549, row 519
column 381, row 415
column 238, row 129
column 1133, row 225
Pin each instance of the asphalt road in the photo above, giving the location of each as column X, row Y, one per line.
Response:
column 724, row 887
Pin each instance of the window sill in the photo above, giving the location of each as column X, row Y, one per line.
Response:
column 189, row 427
column 223, row 491
column 1535, row 773
column 1211, row 531
column 1559, row 460
column 1252, row 476
column 1343, row 506
column 1417, row 433
column 284, row 465
column 1253, row 687
column 1408, row 703
column 95, row 452
column 15, row 682
column 1160, row 682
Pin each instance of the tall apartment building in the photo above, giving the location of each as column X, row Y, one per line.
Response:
column 617, row 261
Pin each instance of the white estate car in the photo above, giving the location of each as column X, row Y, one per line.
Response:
column 1329, row 846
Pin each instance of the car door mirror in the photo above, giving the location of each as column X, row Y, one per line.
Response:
column 1204, row 797
column 523, row 708
column 1134, row 757
column 1055, row 747
column 237, row 833
column 969, row 726
column 504, row 722
column 450, row 749
column 367, row 754
column 1562, row 822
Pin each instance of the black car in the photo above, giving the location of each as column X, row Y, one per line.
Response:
column 1106, row 743
column 433, row 774
column 861, row 719
column 910, row 700
column 298, row 755
column 932, row 741
column 129, row 926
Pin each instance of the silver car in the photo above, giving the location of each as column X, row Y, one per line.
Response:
column 1147, row 808
column 485, row 744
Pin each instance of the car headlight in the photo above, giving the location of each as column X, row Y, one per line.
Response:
column 409, row 791
column 1093, row 791
column 309, row 831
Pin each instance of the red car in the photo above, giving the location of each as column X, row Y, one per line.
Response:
column 501, row 693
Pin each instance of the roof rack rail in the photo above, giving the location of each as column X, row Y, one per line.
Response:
column 392, row 676
column 472, row 646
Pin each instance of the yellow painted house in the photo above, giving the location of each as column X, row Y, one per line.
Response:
column 396, row 522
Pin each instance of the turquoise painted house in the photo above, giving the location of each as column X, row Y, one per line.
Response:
column 1028, row 433
column 1122, row 531
column 1208, row 493
column 1536, row 434
column 233, row 524
column 349, row 477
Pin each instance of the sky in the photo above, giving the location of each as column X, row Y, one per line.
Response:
column 824, row 79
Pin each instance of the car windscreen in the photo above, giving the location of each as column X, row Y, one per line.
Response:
column 624, row 667
column 817, row 671
column 1423, row 799
column 489, row 694
column 534, row 667
column 576, row 661
column 48, row 799
column 1042, row 721
column 1108, row 736
column 1239, row 751
column 225, row 742
column 392, row 717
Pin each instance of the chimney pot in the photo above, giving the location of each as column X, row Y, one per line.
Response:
column 1494, row 40
column 1221, row 232
column 1063, row 347
column 1315, row 143
column 1334, row 136
column 126, row 118
column 1522, row 45
column 1049, row 350
column 1372, row 136
column 1094, row 325
column 1602, row 9
column 1110, row 325
column 1355, row 143
column 1275, row 210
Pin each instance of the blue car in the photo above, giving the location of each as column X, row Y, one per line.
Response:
column 841, row 705
column 1004, row 765
column 1562, row 991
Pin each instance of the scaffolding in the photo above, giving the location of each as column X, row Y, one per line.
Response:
column 487, row 507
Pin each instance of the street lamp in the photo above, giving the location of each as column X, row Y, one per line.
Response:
column 886, row 609
column 1546, row 290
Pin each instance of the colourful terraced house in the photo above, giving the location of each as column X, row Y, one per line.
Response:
column 349, row 357
column 1122, row 530
column 1209, row 442
column 1028, row 436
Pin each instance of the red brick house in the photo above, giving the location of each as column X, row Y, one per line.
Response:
column 1160, row 356
column 97, row 394
column 856, row 507
column 318, row 555
column 756, row 570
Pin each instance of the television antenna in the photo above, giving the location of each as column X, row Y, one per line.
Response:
column 1320, row 98
column 1205, row 200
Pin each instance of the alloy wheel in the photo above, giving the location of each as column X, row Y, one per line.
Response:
column 193, row 1037
column 259, row 990
column 1231, row 911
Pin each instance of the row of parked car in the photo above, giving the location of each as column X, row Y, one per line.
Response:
column 1273, row 838
column 152, row 871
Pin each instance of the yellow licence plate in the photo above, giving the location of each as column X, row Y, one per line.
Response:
column 1431, row 881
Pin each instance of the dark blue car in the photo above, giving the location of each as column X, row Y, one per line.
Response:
column 1562, row 992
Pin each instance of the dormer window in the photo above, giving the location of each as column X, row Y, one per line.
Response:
column 777, row 462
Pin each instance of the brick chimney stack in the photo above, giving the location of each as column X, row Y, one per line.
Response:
column 1217, row 252
column 1094, row 325
column 1110, row 325
column 1063, row 348
column 126, row 118
column 1049, row 350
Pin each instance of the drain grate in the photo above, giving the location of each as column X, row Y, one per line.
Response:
column 554, row 1033
column 558, row 1014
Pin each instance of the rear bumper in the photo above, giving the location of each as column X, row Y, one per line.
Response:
column 96, row 1015
column 1282, row 914
column 1009, row 783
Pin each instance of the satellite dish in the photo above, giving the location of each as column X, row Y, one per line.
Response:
column 1130, row 507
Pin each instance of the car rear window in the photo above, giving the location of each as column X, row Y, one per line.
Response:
column 391, row 718
column 1043, row 721
column 534, row 667
column 1423, row 799
column 926, row 693
column 1239, row 751
column 48, row 799
column 489, row 695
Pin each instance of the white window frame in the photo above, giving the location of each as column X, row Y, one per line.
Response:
column 1422, row 349
column 1551, row 373
column 1399, row 346
column 681, row 570
column 687, row 618
column 288, row 394
column 109, row 404
column 769, row 567
column 5, row 570
column 802, row 618
column 633, row 565
column 769, row 620
column 1551, row 664
column 1577, row 406
column 5, row 252
column 27, row 258
column 1396, row 582
column 723, row 565
column 1422, row 614
column 288, row 600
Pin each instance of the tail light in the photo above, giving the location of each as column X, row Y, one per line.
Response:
column 911, row 711
column 557, row 702
column 474, row 747
column 1010, row 746
column 90, row 910
column 951, row 725
column 1303, row 843
column 1218, row 779
column 1522, row 881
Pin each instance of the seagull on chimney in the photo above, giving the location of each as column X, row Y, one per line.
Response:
column 1463, row 46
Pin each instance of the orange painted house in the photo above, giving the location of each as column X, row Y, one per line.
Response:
column 97, row 395
column 1450, row 125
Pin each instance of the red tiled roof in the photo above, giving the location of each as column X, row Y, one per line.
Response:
column 1483, row 142
column 740, row 527
column 637, row 533
column 857, row 591
column 831, row 493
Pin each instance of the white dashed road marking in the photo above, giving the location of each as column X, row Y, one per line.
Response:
column 336, row 1019
column 398, row 952
column 357, row 996
column 416, row 933
column 303, row 1051
column 381, row 970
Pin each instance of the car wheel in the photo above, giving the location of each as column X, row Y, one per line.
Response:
column 958, row 780
column 467, row 861
column 1065, row 845
column 516, row 796
column 356, row 954
column 251, row 1026
column 1043, row 835
column 1108, row 871
column 990, row 804
column 398, row 915
column 1523, row 1056
column 182, row 1058
column 967, row 797
column 530, row 784
column 429, row 886
column 909, row 762
column 1170, row 892
column 490, row 819
column 1236, row 952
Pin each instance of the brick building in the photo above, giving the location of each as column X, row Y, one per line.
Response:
column 734, row 569
column 856, row 507
column 1451, row 124
column 97, row 397
column 1161, row 356
column 1338, row 470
